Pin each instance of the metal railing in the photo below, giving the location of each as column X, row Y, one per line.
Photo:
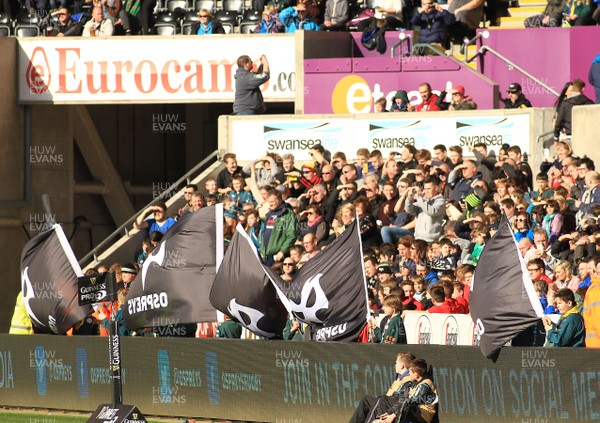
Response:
column 427, row 46
column 483, row 49
column 404, row 38
column 123, row 230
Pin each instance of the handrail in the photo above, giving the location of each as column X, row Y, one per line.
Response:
column 404, row 38
column 483, row 49
column 546, row 145
column 430, row 47
column 125, row 226
column 467, row 43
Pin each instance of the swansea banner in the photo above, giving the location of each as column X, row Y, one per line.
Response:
column 243, row 291
column 329, row 291
column 503, row 301
column 49, row 272
column 175, row 281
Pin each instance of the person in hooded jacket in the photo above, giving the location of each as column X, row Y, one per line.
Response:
column 575, row 97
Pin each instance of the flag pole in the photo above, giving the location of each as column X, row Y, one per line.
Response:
column 114, row 356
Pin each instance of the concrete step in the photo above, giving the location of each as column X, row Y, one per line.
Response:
column 458, row 56
column 525, row 12
column 512, row 22
column 527, row 3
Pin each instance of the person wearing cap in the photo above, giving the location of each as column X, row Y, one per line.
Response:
column 128, row 274
column 401, row 103
column 297, row 17
column 516, row 99
column 460, row 101
column 206, row 25
column 309, row 176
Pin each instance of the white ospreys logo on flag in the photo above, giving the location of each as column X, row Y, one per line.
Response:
column 157, row 258
column 29, row 295
column 236, row 309
column 302, row 310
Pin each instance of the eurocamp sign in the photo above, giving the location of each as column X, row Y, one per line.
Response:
column 149, row 69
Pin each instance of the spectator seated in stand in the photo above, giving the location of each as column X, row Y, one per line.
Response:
column 206, row 25
column 297, row 17
column 270, row 22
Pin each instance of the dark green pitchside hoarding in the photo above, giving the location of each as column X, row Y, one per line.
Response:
column 278, row 381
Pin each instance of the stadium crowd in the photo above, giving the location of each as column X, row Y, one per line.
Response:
column 424, row 220
column 437, row 23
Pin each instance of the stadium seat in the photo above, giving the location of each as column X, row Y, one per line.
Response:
column 251, row 16
column 5, row 25
column 165, row 29
column 204, row 4
column 26, row 31
column 247, row 27
column 173, row 5
column 227, row 16
column 235, row 7
column 25, row 18
column 188, row 20
column 228, row 27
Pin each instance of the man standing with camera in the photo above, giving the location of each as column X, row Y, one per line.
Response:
column 430, row 209
column 433, row 21
column 248, row 97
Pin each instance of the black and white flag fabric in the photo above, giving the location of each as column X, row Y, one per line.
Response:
column 329, row 291
column 49, row 272
column 174, row 283
column 243, row 291
column 503, row 301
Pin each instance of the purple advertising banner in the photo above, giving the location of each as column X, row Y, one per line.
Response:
column 356, row 89
column 552, row 55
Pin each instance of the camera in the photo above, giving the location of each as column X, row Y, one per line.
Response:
column 431, row 6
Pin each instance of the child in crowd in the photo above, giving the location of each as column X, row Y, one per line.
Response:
column 570, row 330
column 392, row 329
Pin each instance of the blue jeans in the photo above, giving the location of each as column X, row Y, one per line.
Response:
column 392, row 234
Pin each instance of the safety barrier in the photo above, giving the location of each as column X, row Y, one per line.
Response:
column 308, row 382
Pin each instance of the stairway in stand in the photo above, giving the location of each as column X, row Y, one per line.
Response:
column 526, row 9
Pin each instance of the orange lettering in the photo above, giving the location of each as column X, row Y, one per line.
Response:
column 214, row 73
column 139, row 75
column 62, row 71
column 119, row 74
column 90, row 77
column 193, row 83
column 164, row 76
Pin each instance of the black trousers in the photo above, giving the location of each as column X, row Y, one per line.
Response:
column 370, row 407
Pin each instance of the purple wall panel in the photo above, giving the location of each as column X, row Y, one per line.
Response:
column 553, row 55
column 356, row 93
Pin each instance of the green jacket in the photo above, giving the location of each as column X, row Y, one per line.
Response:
column 569, row 332
column 289, row 336
column 394, row 333
column 283, row 234
column 229, row 329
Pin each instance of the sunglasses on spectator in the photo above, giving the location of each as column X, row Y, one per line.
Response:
column 203, row 16
column 289, row 263
column 520, row 220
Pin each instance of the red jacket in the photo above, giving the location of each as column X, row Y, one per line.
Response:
column 416, row 303
column 445, row 308
column 429, row 105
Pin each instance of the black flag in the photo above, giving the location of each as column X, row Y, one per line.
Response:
column 243, row 291
column 173, row 286
column 503, row 301
column 49, row 272
column 330, row 291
